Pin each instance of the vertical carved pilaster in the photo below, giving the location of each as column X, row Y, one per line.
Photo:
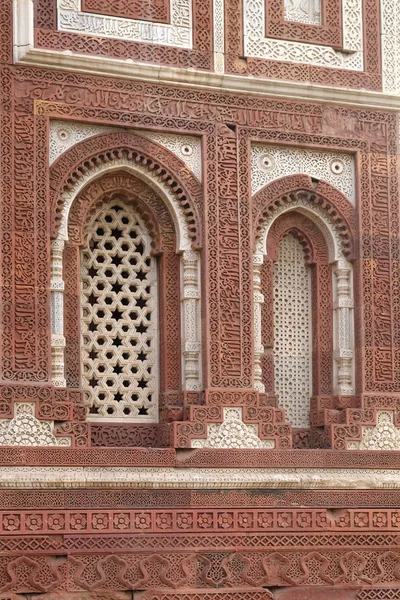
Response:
column 322, row 329
column 258, row 302
column 57, row 313
column 170, row 328
column 191, row 320
column 343, row 338
column 267, row 325
column 229, row 256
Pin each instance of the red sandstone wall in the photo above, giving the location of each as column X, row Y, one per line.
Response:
column 181, row 544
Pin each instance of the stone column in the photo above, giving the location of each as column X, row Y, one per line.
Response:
column 343, row 328
column 191, row 321
column 258, row 260
column 57, row 314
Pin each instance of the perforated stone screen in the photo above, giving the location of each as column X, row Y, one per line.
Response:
column 292, row 331
column 119, row 317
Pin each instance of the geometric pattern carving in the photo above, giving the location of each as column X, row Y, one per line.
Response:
column 114, row 37
column 269, row 163
column 199, row 594
column 383, row 436
column 328, row 350
column 188, row 520
column 185, row 147
column 167, row 173
column 119, row 323
column 333, row 226
column 131, row 9
column 390, row 26
column 232, row 433
column 65, row 134
column 352, row 29
column 178, row 33
column 26, row 430
column 257, row 45
column 292, row 331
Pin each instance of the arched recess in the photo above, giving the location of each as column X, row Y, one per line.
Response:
column 320, row 226
column 161, row 169
column 172, row 220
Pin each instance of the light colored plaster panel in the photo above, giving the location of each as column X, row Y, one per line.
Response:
column 269, row 163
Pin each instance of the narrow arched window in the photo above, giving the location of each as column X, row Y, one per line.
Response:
column 119, row 329
column 293, row 331
column 296, row 318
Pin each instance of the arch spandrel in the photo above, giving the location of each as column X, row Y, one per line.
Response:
column 157, row 166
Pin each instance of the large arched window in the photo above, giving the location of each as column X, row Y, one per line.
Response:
column 304, row 337
column 125, row 299
column 119, row 330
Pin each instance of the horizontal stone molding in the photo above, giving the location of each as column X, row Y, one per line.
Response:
column 166, row 477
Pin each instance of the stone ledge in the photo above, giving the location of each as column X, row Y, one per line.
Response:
column 167, row 477
column 202, row 80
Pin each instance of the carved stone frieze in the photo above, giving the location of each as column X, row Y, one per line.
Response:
column 192, row 478
column 178, row 33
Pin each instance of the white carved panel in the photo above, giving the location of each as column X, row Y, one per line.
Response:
column 178, row 33
column 383, row 436
column 232, row 433
column 119, row 336
column 269, row 163
column 219, row 35
column 24, row 429
column 65, row 134
column 185, row 147
column 303, row 11
column 292, row 331
column 258, row 46
column 390, row 24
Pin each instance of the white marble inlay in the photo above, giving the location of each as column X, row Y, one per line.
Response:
column 269, row 163
column 258, row 46
column 303, row 11
column 65, row 134
column 177, row 34
column 190, row 478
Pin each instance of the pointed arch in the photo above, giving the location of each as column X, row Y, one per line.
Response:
column 157, row 166
column 322, row 223
column 159, row 220
column 324, row 204
column 88, row 176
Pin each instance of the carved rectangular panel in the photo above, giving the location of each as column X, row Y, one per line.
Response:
column 25, row 299
column 335, row 54
column 182, row 39
column 146, row 10
column 229, row 281
column 313, row 22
